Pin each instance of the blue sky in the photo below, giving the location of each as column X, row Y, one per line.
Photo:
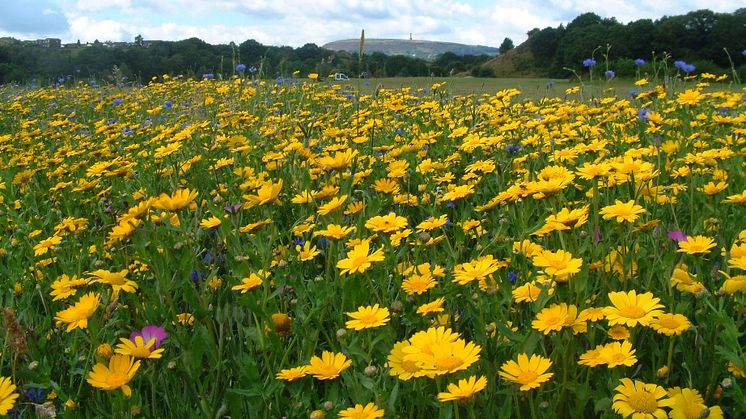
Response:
column 296, row 22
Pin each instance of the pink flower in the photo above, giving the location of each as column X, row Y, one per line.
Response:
column 677, row 236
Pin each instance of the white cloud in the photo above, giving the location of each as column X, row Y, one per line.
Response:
column 296, row 22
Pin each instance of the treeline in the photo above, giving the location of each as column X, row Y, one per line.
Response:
column 699, row 38
column 139, row 62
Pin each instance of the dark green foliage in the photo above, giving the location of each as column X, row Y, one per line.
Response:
column 698, row 37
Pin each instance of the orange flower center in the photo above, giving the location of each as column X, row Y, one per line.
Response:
column 448, row 362
column 632, row 312
column 643, row 402
column 526, row 377
column 669, row 323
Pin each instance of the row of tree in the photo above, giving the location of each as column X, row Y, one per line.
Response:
column 700, row 38
column 193, row 57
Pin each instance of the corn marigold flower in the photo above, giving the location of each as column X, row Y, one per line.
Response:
column 369, row 411
column 696, row 245
column 292, row 374
column 560, row 264
column 329, row 366
column 8, row 395
column 331, row 206
column 267, row 193
column 618, row 353
column 43, row 246
column 358, row 259
column 688, row 403
column 139, row 348
column 640, row 400
column 388, row 223
column 77, row 315
column 622, row 211
column 335, row 232
column 630, row 308
column 211, row 222
column 670, row 324
column 65, row 286
column 435, row 306
column 475, row 270
column 116, row 375
column 464, row 390
column 252, row 281
column 180, row 199
column 367, row 317
column 117, row 280
column 528, row 372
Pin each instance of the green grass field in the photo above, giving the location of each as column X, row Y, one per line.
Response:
column 534, row 88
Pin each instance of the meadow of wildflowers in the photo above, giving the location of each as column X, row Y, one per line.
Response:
column 294, row 249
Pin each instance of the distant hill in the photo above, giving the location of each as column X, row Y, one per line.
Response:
column 518, row 62
column 428, row 50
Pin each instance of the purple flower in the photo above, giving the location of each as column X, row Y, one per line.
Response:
column 208, row 76
column 677, row 236
column 597, row 236
column 241, row 68
column 589, row 62
column 150, row 332
column 643, row 114
column 610, row 74
column 232, row 209
column 639, row 61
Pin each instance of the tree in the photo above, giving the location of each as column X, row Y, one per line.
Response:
column 506, row 46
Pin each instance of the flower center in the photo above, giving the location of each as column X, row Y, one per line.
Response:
column 369, row 318
column 643, row 402
column 526, row 377
column 448, row 362
column 632, row 312
column 669, row 323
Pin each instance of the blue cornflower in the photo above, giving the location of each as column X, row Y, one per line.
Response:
column 689, row 68
column 208, row 76
column 633, row 93
column 117, row 101
column 207, row 258
column 241, row 68
column 299, row 241
column 513, row 148
column 252, row 69
column 168, row 104
column 610, row 74
column 639, row 61
column 512, row 277
column 679, row 64
column 589, row 62
column 743, row 53
column 550, row 83
column 643, row 114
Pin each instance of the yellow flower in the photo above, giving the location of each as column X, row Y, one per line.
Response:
column 640, row 400
column 65, row 287
column 369, row 411
column 335, row 231
column 528, row 372
column 464, row 391
column 139, row 348
column 528, row 292
column 77, row 316
column 688, row 403
column 292, row 374
column 266, row 194
column 435, row 355
column 254, row 280
column 560, row 264
column 121, row 370
column 432, row 223
column 329, row 366
column 388, row 223
column 689, row 97
column 313, row 76
column 367, row 317
column 696, row 245
column 670, row 324
column 630, row 308
column 431, row 307
column 622, row 211
column 43, row 246
column 306, row 252
column 618, row 353
column 211, row 222
column 551, row 318
column 8, row 395
column 422, row 278
column 358, row 259
column 178, row 200
column 117, row 280
column 475, row 270
column 331, row 206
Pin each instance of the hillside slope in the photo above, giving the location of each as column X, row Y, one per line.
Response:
column 518, row 62
column 428, row 50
